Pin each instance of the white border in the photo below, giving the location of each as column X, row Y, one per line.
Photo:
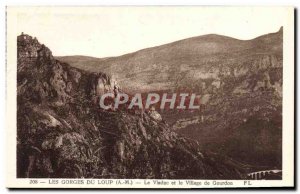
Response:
column 288, row 115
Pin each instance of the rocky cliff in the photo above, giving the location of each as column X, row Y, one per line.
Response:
column 62, row 133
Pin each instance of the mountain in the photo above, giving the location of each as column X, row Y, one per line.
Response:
column 62, row 132
column 238, row 82
column 162, row 67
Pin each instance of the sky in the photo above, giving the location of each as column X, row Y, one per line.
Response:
column 114, row 31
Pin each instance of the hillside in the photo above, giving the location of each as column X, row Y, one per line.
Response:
column 162, row 67
column 239, row 83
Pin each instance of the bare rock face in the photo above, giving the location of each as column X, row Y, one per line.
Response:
column 102, row 83
column 62, row 133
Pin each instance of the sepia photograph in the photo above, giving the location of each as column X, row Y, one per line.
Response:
column 150, row 97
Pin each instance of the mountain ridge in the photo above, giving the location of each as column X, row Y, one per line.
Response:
column 173, row 42
column 177, row 55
